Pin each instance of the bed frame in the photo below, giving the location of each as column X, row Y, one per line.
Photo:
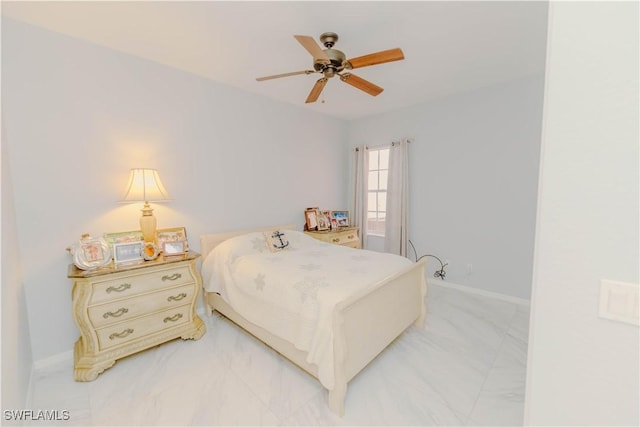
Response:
column 363, row 325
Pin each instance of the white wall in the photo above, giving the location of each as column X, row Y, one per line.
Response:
column 79, row 116
column 16, row 345
column 473, row 180
column 583, row 370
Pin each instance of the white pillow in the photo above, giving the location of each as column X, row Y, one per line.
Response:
column 276, row 240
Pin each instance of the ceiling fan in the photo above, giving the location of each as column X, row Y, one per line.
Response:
column 331, row 62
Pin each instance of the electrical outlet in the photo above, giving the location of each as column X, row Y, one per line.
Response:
column 619, row 301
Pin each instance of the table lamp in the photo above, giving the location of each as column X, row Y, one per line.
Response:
column 145, row 186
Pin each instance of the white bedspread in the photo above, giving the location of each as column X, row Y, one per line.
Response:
column 292, row 293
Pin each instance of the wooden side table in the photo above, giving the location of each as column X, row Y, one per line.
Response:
column 347, row 236
column 121, row 310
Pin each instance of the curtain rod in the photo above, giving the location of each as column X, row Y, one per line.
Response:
column 409, row 140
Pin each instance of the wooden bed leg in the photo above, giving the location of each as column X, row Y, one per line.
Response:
column 207, row 307
column 336, row 399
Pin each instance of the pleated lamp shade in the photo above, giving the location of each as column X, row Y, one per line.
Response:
column 145, row 186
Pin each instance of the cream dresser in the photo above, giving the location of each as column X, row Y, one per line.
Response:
column 121, row 310
column 347, row 236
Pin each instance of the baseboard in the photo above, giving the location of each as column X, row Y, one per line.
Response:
column 41, row 364
column 52, row 360
column 29, row 398
column 485, row 293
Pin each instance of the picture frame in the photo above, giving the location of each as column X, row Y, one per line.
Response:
column 175, row 234
column 341, row 217
column 174, row 247
column 150, row 251
column 128, row 252
column 123, row 237
column 323, row 223
column 311, row 218
column 327, row 215
column 91, row 253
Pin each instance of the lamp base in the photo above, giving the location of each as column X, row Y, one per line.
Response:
column 148, row 224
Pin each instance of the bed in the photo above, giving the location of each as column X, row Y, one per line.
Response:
column 351, row 303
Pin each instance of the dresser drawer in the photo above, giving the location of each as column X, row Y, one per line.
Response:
column 343, row 238
column 134, row 284
column 113, row 312
column 124, row 332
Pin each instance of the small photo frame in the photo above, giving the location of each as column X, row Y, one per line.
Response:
column 311, row 218
column 150, row 251
column 128, row 252
column 341, row 218
column 92, row 252
column 323, row 223
column 176, row 234
column 174, row 248
column 327, row 215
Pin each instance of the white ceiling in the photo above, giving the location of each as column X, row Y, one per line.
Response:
column 449, row 46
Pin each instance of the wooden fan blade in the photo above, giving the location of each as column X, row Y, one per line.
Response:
column 316, row 90
column 313, row 48
column 277, row 76
column 376, row 58
column 361, row 84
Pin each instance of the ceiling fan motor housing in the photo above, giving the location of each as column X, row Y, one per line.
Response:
column 337, row 58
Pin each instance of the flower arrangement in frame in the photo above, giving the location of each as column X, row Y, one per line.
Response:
column 170, row 235
column 341, row 218
column 123, row 237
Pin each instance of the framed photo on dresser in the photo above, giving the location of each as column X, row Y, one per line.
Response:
column 176, row 234
column 323, row 223
column 341, row 217
column 128, row 252
column 311, row 218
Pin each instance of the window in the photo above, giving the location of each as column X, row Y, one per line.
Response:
column 377, row 190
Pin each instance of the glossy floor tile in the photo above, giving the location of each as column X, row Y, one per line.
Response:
column 465, row 367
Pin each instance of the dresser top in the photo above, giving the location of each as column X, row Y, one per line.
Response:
column 332, row 231
column 75, row 272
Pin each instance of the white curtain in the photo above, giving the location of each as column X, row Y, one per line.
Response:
column 396, row 233
column 361, row 168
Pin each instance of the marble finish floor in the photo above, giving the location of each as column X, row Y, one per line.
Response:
column 466, row 367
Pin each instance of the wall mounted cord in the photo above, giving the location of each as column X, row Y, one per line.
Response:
column 438, row 273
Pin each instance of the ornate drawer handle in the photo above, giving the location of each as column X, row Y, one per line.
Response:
column 177, row 297
column 117, row 313
column 173, row 318
column 336, row 240
column 174, row 276
column 350, row 236
column 120, row 288
column 122, row 334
